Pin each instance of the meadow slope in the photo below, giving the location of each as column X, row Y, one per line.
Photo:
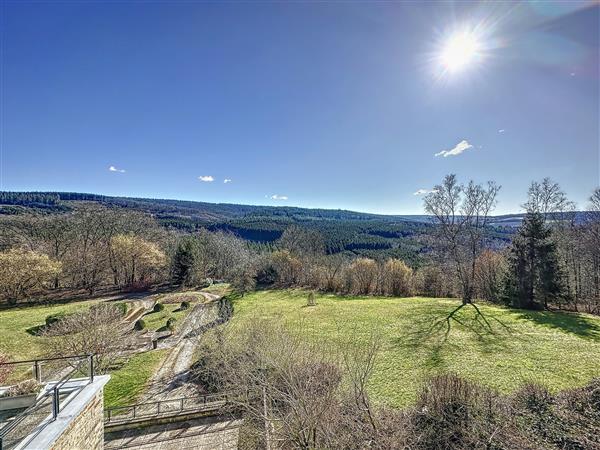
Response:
column 557, row 349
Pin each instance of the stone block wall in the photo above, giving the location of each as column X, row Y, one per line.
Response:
column 86, row 430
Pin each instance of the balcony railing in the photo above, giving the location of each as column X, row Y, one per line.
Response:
column 63, row 379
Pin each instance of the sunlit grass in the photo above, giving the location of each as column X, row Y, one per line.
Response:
column 129, row 381
column 558, row 349
column 18, row 325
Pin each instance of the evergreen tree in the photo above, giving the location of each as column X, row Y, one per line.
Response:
column 184, row 261
column 534, row 277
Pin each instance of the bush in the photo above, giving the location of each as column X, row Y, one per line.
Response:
column 23, row 388
column 185, row 305
column 140, row 325
column 158, row 307
column 171, row 323
column 54, row 318
column 455, row 413
column 123, row 307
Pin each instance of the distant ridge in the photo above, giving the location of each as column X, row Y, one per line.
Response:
column 211, row 212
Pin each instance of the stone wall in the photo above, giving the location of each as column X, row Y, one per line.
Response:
column 86, row 431
column 79, row 424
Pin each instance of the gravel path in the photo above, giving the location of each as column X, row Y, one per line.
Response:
column 171, row 379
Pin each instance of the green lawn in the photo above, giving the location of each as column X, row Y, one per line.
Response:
column 16, row 341
column 128, row 382
column 559, row 350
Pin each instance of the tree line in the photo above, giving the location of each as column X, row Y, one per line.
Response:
column 551, row 261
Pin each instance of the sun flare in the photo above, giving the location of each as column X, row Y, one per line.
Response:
column 460, row 51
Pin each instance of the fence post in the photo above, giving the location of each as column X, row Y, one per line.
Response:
column 91, row 357
column 37, row 371
column 55, row 403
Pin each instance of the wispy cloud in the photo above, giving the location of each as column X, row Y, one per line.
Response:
column 423, row 191
column 457, row 150
column 206, row 178
column 227, row 180
column 114, row 169
column 502, row 130
column 278, row 197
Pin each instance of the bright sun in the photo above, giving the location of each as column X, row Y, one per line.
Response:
column 460, row 50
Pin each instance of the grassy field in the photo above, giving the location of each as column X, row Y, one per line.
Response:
column 559, row 350
column 128, row 382
column 19, row 341
column 17, row 325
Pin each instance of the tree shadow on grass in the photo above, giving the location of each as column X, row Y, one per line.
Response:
column 36, row 330
column 567, row 322
column 432, row 334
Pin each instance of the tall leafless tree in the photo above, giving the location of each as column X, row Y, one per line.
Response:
column 461, row 214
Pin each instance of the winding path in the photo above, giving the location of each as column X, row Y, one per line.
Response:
column 172, row 378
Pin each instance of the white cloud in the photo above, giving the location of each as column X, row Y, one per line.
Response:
column 278, row 197
column 206, row 178
column 502, row 130
column 423, row 191
column 114, row 169
column 457, row 150
column 227, row 180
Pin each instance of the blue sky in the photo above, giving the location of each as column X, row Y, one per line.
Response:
column 322, row 104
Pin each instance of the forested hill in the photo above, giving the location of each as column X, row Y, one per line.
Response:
column 372, row 235
column 205, row 211
column 198, row 211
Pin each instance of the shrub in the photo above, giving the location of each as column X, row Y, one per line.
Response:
column 185, row 305
column 54, row 318
column 123, row 307
column 455, row 413
column 23, row 388
column 171, row 323
column 140, row 325
column 158, row 307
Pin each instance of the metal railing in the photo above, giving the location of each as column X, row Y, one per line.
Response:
column 159, row 408
column 71, row 375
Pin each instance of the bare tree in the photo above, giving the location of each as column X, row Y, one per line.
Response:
column 547, row 198
column 302, row 242
column 359, row 363
column 331, row 268
column 491, row 267
column 293, row 395
column 99, row 330
column 461, row 214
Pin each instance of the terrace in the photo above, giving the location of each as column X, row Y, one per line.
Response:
column 58, row 402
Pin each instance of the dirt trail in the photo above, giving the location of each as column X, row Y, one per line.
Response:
column 171, row 379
